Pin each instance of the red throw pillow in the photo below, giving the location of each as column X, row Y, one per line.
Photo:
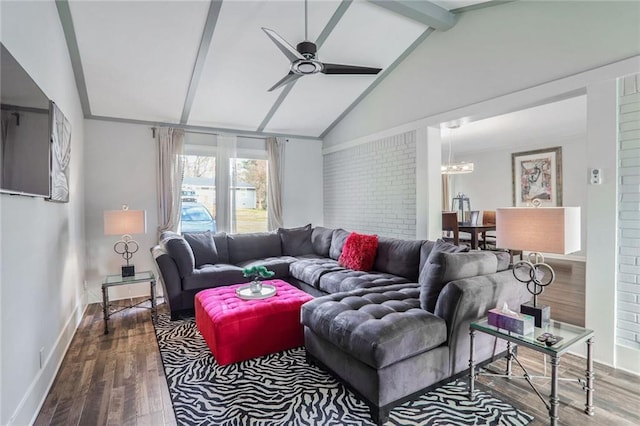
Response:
column 359, row 252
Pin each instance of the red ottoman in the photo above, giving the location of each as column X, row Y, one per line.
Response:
column 237, row 330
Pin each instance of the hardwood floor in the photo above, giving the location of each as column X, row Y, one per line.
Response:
column 118, row 379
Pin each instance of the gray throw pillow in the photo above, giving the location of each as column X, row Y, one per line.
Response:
column 180, row 251
column 430, row 274
column 203, row 247
column 296, row 241
column 338, row 238
column 321, row 240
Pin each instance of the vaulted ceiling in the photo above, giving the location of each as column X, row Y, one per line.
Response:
column 209, row 64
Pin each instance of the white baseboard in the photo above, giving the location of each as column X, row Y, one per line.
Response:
column 36, row 393
column 628, row 359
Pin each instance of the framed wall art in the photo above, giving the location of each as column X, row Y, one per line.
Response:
column 60, row 155
column 537, row 175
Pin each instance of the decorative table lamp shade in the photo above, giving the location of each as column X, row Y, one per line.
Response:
column 540, row 229
column 125, row 222
column 122, row 222
column 537, row 229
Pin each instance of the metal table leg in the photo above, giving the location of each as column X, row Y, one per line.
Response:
column 472, row 365
column 105, row 308
column 589, row 375
column 154, row 307
column 553, row 410
column 509, row 358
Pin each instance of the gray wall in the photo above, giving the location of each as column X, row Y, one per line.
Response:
column 371, row 187
column 628, row 291
column 41, row 243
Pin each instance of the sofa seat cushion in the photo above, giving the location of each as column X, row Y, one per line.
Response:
column 310, row 270
column 278, row 264
column 377, row 326
column 208, row 276
column 348, row 279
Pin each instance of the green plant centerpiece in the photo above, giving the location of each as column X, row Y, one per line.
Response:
column 257, row 272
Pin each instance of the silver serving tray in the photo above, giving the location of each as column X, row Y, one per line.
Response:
column 246, row 293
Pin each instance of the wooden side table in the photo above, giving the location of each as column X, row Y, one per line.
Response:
column 118, row 280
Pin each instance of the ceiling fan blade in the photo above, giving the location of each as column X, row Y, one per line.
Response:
column 290, row 52
column 286, row 80
column 348, row 69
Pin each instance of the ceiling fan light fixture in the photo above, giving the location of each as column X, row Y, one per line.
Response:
column 306, row 67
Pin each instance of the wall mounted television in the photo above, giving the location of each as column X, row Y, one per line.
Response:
column 34, row 136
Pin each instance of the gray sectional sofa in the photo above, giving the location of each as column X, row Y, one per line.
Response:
column 391, row 333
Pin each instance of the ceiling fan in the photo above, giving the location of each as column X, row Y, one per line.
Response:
column 303, row 59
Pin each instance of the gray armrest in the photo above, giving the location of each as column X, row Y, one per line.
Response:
column 467, row 300
column 169, row 276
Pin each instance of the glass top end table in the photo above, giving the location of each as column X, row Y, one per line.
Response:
column 570, row 336
column 118, row 280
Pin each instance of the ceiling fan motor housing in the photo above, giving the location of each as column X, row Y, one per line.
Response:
column 307, row 49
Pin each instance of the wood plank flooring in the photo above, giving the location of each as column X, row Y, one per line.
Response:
column 118, row 379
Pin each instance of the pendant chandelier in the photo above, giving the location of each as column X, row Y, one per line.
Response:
column 455, row 168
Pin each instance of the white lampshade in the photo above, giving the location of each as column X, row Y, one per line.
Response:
column 121, row 222
column 539, row 229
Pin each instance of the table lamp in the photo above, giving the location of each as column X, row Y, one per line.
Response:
column 538, row 230
column 125, row 222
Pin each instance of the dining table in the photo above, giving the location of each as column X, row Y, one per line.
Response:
column 475, row 231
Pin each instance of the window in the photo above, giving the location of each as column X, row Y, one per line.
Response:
column 249, row 195
column 204, row 172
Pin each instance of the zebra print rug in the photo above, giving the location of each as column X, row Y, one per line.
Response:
column 282, row 389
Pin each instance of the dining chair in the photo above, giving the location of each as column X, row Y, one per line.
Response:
column 488, row 218
column 450, row 225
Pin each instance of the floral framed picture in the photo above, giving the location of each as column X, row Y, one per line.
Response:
column 537, row 175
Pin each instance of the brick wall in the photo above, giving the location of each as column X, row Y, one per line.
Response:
column 371, row 188
column 628, row 290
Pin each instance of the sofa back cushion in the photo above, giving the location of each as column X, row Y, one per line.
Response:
column 443, row 267
column 338, row 238
column 203, row 247
column 180, row 251
column 296, row 241
column 321, row 240
column 399, row 257
column 359, row 252
column 257, row 245
column 220, row 240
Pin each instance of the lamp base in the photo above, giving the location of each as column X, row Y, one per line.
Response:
column 128, row 271
column 541, row 313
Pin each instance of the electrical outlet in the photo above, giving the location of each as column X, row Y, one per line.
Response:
column 595, row 176
column 41, row 357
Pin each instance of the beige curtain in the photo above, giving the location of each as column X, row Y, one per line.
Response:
column 275, row 156
column 170, row 173
column 446, row 197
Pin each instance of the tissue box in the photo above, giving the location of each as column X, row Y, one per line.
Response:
column 517, row 323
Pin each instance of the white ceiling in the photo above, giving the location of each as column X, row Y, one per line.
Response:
column 138, row 59
column 553, row 121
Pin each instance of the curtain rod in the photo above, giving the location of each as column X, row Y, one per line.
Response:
column 205, row 132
